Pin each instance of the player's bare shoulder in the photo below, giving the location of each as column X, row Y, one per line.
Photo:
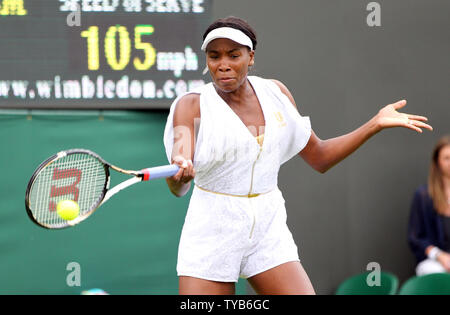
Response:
column 188, row 108
column 189, row 105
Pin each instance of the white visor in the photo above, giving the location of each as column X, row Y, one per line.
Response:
column 230, row 33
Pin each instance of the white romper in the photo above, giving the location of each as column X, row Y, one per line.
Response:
column 235, row 225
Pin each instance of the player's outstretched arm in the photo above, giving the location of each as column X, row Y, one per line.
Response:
column 324, row 154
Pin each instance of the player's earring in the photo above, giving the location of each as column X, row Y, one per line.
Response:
column 205, row 71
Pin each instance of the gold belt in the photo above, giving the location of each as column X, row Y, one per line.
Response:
column 225, row 194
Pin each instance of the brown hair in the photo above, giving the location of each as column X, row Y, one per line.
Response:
column 234, row 22
column 435, row 182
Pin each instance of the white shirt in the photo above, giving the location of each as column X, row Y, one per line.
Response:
column 228, row 158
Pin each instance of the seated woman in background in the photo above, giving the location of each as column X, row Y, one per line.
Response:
column 429, row 223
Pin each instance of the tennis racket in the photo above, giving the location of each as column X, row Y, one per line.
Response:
column 82, row 176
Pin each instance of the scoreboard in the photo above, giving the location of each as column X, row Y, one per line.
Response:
column 100, row 54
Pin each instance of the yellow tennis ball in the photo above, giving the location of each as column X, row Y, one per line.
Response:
column 67, row 209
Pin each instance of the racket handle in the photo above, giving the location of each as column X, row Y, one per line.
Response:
column 160, row 171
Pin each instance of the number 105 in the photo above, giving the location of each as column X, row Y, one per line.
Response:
column 121, row 60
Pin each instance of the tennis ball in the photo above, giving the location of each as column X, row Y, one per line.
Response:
column 67, row 209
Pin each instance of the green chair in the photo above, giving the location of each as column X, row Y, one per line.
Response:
column 431, row 284
column 358, row 285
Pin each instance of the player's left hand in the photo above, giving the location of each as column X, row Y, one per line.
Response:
column 389, row 117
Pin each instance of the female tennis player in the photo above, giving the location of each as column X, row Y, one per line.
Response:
column 231, row 136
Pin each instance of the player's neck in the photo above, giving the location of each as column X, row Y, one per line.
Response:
column 237, row 96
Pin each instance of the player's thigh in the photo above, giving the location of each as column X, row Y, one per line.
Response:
column 287, row 278
column 196, row 286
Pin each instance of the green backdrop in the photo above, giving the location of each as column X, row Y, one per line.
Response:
column 129, row 246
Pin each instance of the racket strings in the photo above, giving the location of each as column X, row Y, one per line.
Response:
column 79, row 177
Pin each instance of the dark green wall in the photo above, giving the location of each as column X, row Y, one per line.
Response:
column 129, row 246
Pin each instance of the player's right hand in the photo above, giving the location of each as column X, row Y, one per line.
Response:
column 186, row 172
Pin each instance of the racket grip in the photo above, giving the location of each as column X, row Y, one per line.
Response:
column 160, row 172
